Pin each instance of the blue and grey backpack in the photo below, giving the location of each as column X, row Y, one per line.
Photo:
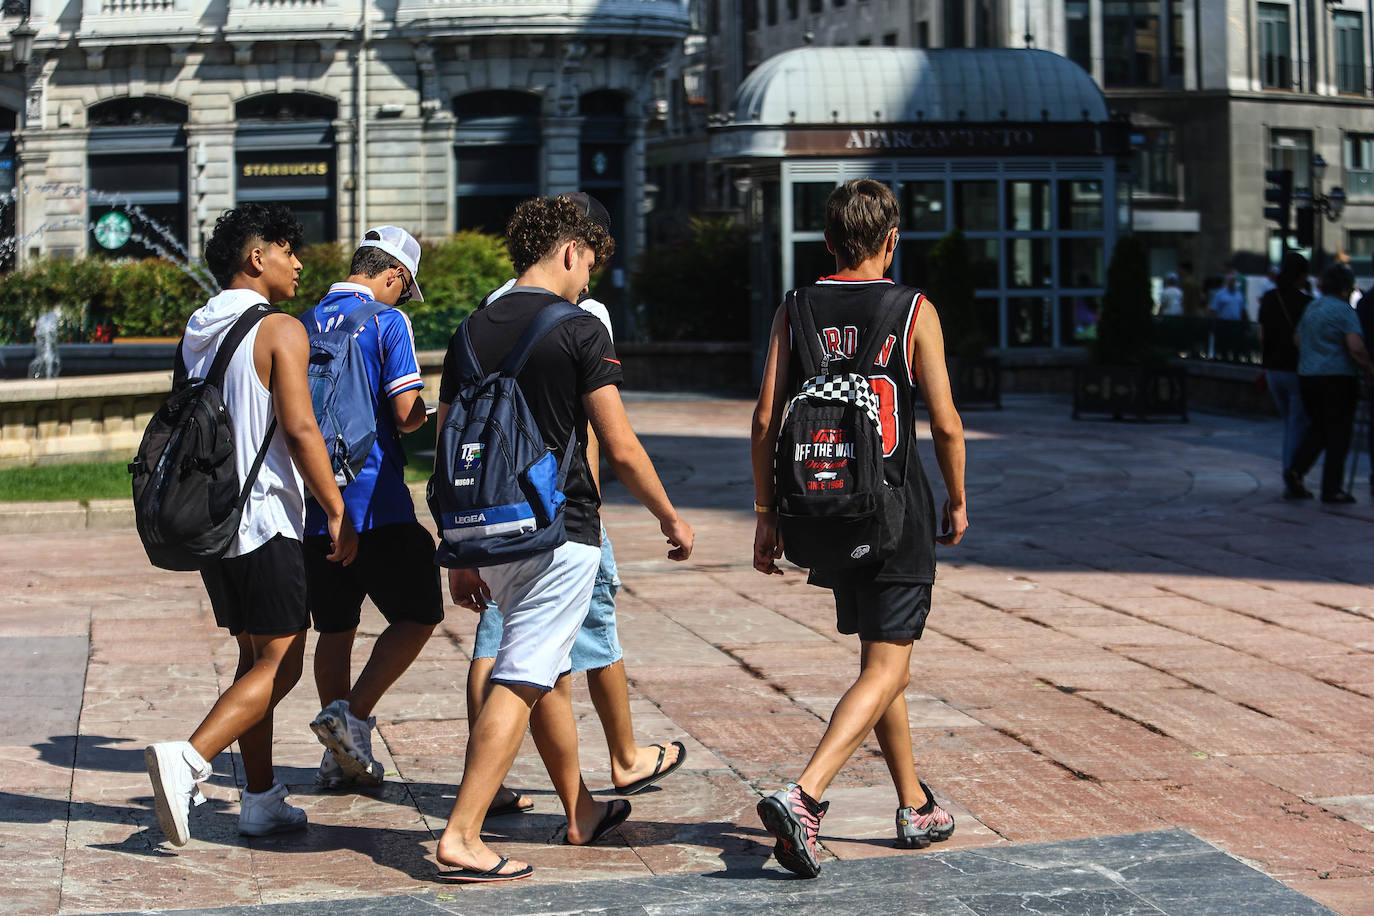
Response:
column 497, row 490
column 340, row 391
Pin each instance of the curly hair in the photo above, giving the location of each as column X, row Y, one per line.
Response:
column 540, row 225
column 858, row 216
column 237, row 229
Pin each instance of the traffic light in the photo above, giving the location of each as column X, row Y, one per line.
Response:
column 1278, row 196
column 1306, row 227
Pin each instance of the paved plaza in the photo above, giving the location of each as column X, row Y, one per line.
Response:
column 1147, row 686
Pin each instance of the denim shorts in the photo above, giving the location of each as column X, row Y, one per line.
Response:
column 597, row 644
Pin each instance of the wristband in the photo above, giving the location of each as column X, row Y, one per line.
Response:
column 763, row 510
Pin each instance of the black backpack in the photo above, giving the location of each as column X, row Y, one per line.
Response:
column 187, row 494
column 497, row 491
column 836, row 510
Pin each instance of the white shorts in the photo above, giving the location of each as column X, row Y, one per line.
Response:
column 544, row 600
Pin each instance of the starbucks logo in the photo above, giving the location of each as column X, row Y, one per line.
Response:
column 113, row 230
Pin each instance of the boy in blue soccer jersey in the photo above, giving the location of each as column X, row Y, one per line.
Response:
column 395, row 554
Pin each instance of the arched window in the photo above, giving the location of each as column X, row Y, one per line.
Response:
column 497, row 146
column 135, row 112
column 285, row 153
column 136, row 176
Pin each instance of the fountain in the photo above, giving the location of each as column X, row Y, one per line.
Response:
column 142, row 228
column 46, row 363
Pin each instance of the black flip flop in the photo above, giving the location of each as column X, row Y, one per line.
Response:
column 616, row 813
column 473, row 876
column 512, row 807
column 639, row 785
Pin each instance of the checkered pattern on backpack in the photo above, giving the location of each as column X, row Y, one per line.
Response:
column 847, row 387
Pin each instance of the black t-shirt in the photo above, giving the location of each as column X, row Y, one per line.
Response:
column 1279, row 312
column 573, row 359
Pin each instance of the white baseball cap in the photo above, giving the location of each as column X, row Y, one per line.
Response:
column 402, row 246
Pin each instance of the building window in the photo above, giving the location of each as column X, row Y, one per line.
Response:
column 1156, row 162
column 1078, row 41
column 1276, row 69
column 793, row 8
column 285, row 153
column 1360, row 246
column 497, row 149
column 1349, row 52
column 1292, row 149
column 817, row 6
column 1359, row 165
column 890, row 40
column 923, row 34
column 772, row 9
column 749, row 12
column 954, row 24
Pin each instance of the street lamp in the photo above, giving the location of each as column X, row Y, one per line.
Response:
column 22, row 35
column 1311, row 204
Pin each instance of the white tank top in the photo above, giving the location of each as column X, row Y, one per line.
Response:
column 276, row 504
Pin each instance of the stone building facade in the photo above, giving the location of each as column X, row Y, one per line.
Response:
column 437, row 115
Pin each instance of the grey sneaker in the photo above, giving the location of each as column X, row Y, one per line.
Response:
column 917, row 828
column 795, row 819
column 261, row 813
column 330, row 775
column 176, row 770
column 350, row 740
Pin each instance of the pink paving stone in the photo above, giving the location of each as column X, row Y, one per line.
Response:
column 1351, row 896
column 1208, row 723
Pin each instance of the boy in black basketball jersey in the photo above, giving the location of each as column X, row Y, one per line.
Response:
column 885, row 604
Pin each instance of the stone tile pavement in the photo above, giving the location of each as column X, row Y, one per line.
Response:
column 1138, row 638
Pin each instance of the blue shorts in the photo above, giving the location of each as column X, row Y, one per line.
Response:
column 597, row 644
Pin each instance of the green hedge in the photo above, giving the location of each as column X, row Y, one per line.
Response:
column 696, row 288
column 153, row 298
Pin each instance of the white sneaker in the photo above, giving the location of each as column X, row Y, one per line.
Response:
column 176, row 770
column 350, row 739
column 261, row 813
column 330, row 775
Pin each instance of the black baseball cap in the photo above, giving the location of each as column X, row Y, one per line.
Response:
column 591, row 208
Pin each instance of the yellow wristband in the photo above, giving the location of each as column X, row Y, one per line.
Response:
column 762, row 510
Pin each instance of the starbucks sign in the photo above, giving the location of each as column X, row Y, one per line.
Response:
column 113, row 230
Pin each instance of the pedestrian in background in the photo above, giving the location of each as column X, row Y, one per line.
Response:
column 1365, row 311
column 1171, row 297
column 1228, row 300
column 1331, row 355
column 1280, row 310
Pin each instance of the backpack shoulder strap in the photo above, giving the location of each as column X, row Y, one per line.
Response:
column 233, row 338
column 806, row 340
column 353, row 322
column 179, row 366
column 891, row 309
column 551, row 316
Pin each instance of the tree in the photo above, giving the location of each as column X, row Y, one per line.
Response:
column 1126, row 328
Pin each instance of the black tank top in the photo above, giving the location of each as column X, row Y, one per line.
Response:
column 844, row 311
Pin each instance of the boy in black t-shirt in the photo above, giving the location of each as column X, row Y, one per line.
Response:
column 886, row 604
column 570, row 379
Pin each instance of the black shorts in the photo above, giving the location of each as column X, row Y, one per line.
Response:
column 394, row 567
column 880, row 611
column 263, row 592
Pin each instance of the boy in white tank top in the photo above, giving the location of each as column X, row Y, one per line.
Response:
column 257, row 589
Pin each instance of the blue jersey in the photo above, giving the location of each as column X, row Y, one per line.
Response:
column 378, row 496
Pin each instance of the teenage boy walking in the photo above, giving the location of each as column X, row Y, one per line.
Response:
column 596, row 650
column 570, row 379
column 886, row 604
column 258, row 589
column 395, row 562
